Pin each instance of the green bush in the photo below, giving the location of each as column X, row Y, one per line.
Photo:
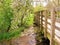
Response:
column 13, row 33
column 11, row 17
column 28, row 21
column 6, row 15
column 39, row 8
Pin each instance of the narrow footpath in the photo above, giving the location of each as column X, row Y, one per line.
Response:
column 27, row 38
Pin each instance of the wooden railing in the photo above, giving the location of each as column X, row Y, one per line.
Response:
column 50, row 24
column 57, row 29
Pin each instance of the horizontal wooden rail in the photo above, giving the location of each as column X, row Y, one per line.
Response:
column 57, row 20
column 51, row 25
column 57, row 28
column 56, row 25
column 56, row 36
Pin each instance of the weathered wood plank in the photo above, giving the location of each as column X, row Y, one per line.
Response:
column 45, row 31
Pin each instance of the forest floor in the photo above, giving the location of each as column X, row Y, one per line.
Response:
column 27, row 38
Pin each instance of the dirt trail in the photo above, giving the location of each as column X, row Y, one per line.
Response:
column 28, row 38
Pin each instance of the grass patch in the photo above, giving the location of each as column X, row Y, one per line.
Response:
column 11, row 34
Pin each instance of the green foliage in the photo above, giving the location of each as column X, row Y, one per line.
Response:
column 58, row 14
column 5, row 16
column 14, row 19
column 9, row 35
column 39, row 8
column 22, row 12
column 28, row 21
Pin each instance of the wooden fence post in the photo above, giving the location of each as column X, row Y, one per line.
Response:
column 41, row 20
column 45, row 30
column 52, row 27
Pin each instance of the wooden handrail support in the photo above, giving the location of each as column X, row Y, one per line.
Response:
column 45, row 30
column 53, row 19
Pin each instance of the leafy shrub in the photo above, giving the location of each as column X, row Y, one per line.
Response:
column 9, row 35
column 39, row 8
column 28, row 21
column 11, row 17
column 6, row 15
